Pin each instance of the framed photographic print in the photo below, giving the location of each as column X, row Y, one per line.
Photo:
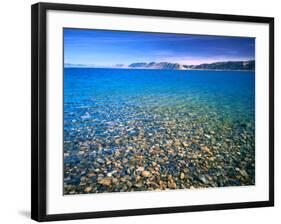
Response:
column 138, row 111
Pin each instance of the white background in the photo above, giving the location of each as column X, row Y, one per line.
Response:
column 15, row 110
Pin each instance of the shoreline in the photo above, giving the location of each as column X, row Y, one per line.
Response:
column 218, row 70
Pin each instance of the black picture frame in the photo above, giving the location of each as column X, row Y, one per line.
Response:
column 39, row 108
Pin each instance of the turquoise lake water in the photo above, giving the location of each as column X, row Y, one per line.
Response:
column 142, row 108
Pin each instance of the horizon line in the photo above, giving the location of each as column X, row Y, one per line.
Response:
column 120, row 65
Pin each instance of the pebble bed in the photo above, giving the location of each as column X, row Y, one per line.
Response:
column 161, row 146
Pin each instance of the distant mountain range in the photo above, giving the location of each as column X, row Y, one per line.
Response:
column 155, row 65
column 227, row 65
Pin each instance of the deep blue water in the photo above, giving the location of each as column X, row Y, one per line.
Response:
column 94, row 96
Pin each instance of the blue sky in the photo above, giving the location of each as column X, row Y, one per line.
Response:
column 108, row 48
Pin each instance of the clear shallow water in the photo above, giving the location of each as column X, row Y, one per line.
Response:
column 144, row 108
